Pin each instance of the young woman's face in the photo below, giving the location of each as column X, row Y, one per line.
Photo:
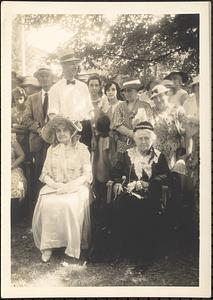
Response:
column 111, row 92
column 63, row 134
column 130, row 94
column 94, row 87
column 143, row 139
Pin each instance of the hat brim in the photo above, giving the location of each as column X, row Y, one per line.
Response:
column 48, row 131
column 134, row 86
column 182, row 74
column 43, row 70
column 62, row 61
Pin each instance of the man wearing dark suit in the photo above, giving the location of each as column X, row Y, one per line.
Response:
column 35, row 118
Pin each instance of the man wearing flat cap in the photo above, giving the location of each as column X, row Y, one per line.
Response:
column 69, row 96
column 36, row 117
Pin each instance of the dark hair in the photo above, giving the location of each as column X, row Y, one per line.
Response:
column 103, row 125
column 95, row 77
column 109, row 84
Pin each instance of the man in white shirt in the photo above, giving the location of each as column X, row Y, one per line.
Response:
column 69, row 96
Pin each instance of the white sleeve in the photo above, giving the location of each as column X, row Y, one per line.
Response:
column 88, row 101
column 54, row 100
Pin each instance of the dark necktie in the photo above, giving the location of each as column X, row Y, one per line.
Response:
column 45, row 105
column 71, row 81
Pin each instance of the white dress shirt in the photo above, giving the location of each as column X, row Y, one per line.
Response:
column 43, row 92
column 70, row 100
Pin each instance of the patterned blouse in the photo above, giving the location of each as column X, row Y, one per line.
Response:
column 123, row 116
column 66, row 163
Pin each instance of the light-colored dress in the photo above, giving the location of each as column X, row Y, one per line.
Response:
column 190, row 106
column 64, row 220
column 192, row 113
column 168, row 128
column 18, row 180
column 176, row 98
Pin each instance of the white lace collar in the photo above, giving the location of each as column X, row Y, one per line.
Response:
column 143, row 162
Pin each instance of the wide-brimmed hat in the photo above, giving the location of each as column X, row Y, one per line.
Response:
column 29, row 80
column 184, row 75
column 68, row 56
column 195, row 80
column 143, row 125
column 132, row 83
column 41, row 70
column 48, row 131
column 158, row 89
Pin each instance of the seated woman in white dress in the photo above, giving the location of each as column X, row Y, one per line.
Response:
column 62, row 217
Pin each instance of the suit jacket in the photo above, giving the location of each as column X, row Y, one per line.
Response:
column 33, row 119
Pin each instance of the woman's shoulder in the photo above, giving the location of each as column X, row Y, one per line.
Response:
column 81, row 147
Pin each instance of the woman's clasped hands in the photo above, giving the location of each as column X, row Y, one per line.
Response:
column 65, row 188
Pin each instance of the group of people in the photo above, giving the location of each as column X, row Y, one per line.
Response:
column 107, row 161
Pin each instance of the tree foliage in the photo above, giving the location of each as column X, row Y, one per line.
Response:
column 137, row 45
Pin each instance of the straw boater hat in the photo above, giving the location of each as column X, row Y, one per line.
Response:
column 42, row 70
column 68, row 57
column 158, row 89
column 132, row 84
column 29, row 80
column 48, row 131
column 181, row 73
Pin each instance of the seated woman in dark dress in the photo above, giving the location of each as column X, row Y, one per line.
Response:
column 138, row 179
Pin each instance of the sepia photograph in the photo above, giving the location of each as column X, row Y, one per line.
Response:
column 106, row 155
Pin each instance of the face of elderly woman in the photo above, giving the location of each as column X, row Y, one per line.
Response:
column 144, row 139
column 63, row 134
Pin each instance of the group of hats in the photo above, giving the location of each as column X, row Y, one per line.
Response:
column 65, row 57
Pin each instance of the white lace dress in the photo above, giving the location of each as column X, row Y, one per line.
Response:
column 64, row 220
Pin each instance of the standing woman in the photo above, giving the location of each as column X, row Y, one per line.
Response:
column 19, row 98
column 99, row 101
column 191, row 107
column 61, row 217
column 112, row 91
column 126, row 111
column 179, row 78
column 173, row 140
